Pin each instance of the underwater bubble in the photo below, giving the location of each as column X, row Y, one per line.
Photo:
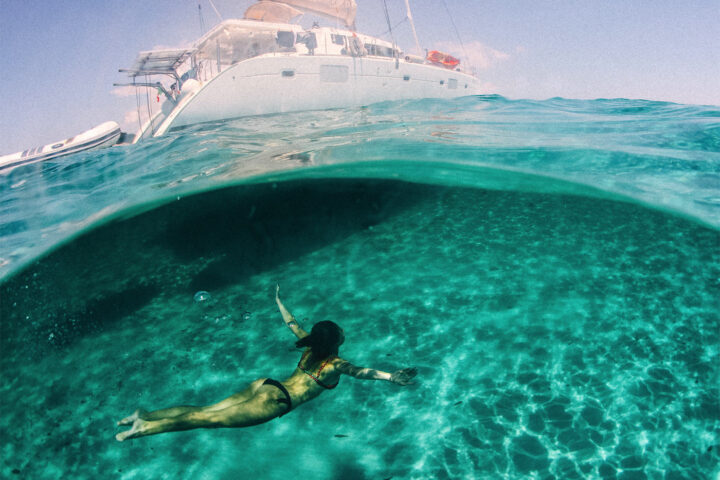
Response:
column 202, row 296
column 246, row 316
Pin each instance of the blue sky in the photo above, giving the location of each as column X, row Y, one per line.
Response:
column 60, row 59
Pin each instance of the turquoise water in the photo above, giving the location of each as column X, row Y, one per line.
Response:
column 552, row 269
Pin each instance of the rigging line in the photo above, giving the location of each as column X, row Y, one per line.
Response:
column 395, row 27
column 392, row 37
column 462, row 45
column 147, row 102
column 137, row 104
column 216, row 10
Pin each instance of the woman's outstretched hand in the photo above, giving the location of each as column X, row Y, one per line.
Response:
column 404, row 376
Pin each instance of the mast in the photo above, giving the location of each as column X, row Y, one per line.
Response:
column 412, row 25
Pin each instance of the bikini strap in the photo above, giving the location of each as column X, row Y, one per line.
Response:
column 316, row 376
column 305, row 353
column 325, row 363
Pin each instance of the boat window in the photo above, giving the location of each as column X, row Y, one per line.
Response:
column 452, row 83
column 406, row 78
column 288, row 73
column 334, row 73
column 379, row 50
column 338, row 39
column 286, row 39
column 235, row 43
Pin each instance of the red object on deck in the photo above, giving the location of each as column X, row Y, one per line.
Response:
column 440, row 58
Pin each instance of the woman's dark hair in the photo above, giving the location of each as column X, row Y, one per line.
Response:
column 324, row 339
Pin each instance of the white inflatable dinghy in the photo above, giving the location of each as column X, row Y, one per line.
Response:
column 104, row 135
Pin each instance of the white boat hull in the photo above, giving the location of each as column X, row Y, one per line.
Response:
column 278, row 83
column 104, row 135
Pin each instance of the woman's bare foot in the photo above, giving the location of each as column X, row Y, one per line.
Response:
column 133, row 432
column 131, row 419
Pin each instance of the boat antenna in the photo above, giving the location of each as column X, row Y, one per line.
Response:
column 202, row 20
column 412, row 25
column 216, row 10
column 456, row 32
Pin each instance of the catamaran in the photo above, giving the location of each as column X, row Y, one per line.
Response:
column 267, row 63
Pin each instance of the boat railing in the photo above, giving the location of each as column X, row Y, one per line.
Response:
column 236, row 41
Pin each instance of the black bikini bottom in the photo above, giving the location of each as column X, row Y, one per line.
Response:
column 282, row 388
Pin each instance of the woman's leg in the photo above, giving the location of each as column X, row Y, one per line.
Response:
column 158, row 414
column 181, row 410
column 260, row 407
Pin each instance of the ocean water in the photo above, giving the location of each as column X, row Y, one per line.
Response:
column 552, row 268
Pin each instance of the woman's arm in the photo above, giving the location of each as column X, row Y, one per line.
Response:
column 288, row 317
column 399, row 377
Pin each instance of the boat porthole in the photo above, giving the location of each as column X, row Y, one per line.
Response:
column 288, row 73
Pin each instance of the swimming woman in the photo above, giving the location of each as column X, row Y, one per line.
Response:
column 319, row 369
